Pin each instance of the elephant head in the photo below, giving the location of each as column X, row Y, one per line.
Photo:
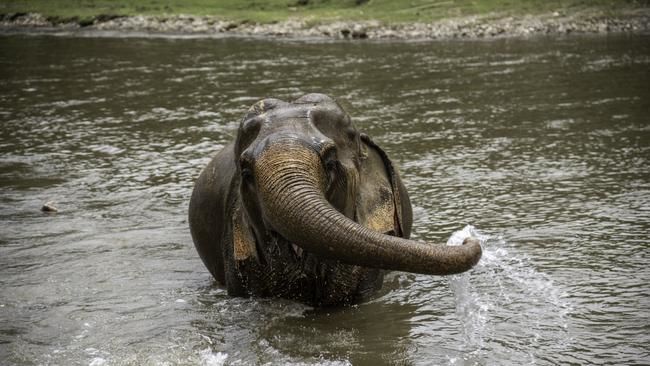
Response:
column 308, row 178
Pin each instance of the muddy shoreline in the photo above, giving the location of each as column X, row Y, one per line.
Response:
column 635, row 21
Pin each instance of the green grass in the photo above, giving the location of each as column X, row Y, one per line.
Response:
column 265, row 11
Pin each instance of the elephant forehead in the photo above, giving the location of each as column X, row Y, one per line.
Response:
column 326, row 118
column 287, row 120
column 287, row 112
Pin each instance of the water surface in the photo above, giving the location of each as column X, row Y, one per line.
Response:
column 542, row 145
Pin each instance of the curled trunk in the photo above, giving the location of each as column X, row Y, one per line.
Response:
column 291, row 180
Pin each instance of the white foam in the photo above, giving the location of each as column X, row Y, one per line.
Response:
column 97, row 361
column 501, row 283
column 470, row 308
column 459, row 236
column 209, row 358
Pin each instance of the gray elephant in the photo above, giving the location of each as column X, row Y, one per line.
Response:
column 303, row 206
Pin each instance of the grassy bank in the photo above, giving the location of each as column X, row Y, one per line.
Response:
column 268, row 11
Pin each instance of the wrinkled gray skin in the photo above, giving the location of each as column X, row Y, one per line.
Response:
column 303, row 206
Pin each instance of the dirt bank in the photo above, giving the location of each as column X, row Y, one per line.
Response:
column 487, row 26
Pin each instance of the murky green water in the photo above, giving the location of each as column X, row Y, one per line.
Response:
column 542, row 145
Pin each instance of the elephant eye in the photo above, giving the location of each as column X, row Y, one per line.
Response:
column 246, row 174
column 331, row 165
column 333, row 168
column 330, row 159
column 246, row 168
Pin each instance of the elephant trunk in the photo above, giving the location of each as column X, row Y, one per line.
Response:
column 291, row 180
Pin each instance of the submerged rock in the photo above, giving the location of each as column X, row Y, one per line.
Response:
column 49, row 207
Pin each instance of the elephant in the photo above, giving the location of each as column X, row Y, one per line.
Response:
column 303, row 206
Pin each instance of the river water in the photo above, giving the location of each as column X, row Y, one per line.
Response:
column 540, row 145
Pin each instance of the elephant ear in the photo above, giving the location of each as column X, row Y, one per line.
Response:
column 243, row 241
column 382, row 198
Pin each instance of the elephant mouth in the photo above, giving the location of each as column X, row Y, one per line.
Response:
column 297, row 250
column 293, row 254
column 298, row 273
column 289, row 250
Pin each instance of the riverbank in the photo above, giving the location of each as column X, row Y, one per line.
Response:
column 490, row 25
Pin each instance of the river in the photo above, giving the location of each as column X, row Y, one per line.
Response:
column 542, row 145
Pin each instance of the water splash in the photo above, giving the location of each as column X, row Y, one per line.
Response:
column 471, row 309
column 210, row 358
column 97, row 361
column 506, row 293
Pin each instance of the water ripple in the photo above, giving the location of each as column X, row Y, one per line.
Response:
column 542, row 144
